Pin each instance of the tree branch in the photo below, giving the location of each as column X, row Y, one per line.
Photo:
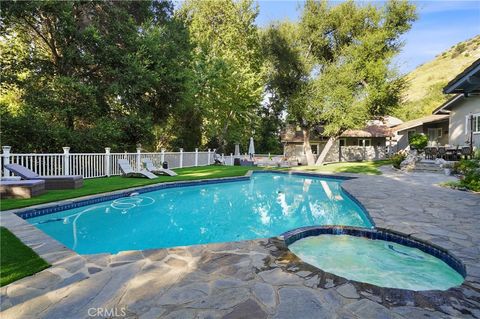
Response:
column 34, row 28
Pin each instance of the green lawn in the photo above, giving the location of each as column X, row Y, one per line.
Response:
column 108, row 184
column 370, row 168
column 16, row 259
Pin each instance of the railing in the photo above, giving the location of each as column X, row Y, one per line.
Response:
column 91, row 165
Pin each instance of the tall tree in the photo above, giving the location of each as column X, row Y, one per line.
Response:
column 227, row 67
column 104, row 71
column 347, row 50
column 287, row 70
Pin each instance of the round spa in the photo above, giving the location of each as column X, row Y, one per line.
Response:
column 376, row 257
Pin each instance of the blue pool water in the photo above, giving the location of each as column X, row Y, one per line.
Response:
column 267, row 205
column 377, row 262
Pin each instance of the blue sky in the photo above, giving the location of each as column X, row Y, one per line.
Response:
column 440, row 25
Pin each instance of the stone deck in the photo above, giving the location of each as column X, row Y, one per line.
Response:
column 258, row 278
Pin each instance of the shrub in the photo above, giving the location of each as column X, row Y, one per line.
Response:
column 418, row 141
column 397, row 159
column 476, row 155
column 470, row 169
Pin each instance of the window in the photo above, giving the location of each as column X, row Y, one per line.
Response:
column 434, row 133
column 342, row 142
column 475, row 126
column 364, row 142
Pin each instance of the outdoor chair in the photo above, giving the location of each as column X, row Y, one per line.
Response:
column 433, row 153
column 128, row 171
column 155, row 170
column 428, row 152
column 51, row 182
column 466, row 151
column 441, row 152
column 451, row 154
column 217, row 159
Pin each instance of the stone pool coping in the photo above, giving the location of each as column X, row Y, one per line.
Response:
column 57, row 254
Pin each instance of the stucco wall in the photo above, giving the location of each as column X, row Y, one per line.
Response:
column 459, row 132
column 360, row 153
column 402, row 137
column 350, row 153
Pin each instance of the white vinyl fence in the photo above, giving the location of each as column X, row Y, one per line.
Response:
column 91, row 165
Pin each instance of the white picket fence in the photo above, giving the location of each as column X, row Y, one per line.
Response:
column 91, row 165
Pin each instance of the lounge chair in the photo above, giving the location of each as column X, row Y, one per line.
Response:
column 155, row 170
column 21, row 188
column 51, row 182
column 128, row 171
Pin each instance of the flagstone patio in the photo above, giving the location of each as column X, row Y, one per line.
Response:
column 258, row 278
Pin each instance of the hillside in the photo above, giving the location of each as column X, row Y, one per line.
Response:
column 425, row 83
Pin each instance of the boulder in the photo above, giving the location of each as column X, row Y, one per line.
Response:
column 408, row 164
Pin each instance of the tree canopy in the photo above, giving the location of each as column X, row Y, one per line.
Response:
column 339, row 73
column 119, row 74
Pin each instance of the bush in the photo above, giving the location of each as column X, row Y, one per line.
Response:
column 418, row 141
column 476, row 155
column 470, row 169
column 397, row 159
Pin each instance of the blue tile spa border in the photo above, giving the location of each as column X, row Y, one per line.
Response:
column 378, row 233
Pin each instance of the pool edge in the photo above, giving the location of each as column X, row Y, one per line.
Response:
column 441, row 253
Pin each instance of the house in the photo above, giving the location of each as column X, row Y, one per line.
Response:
column 369, row 143
column 435, row 127
column 455, row 122
column 463, row 109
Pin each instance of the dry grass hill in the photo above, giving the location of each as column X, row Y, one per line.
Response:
column 425, row 83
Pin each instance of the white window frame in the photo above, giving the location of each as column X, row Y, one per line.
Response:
column 476, row 123
column 359, row 141
column 438, row 132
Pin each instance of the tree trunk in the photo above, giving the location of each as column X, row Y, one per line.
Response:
column 307, row 148
column 326, row 149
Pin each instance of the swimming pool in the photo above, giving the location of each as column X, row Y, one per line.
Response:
column 266, row 205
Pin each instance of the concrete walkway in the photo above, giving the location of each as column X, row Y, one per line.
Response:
column 258, row 278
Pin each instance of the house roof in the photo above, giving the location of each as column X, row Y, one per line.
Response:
column 466, row 82
column 374, row 128
column 369, row 131
column 447, row 106
column 391, row 121
column 423, row 120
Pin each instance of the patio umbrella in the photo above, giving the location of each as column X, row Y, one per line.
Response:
column 237, row 150
column 251, row 148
